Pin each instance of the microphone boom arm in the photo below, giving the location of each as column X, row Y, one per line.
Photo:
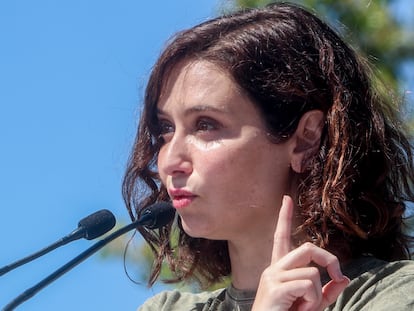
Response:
column 38, row 254
column 89, row 228
column 154, row 217
column 67, row 267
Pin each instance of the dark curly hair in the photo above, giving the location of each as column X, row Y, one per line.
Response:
column 353, row 197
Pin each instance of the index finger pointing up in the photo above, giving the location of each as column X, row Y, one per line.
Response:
column 282, row 238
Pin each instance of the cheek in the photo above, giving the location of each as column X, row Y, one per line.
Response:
column 160, row 161
column 252, row 174
column 231, row 170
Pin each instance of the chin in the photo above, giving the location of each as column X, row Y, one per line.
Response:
column 197, row 231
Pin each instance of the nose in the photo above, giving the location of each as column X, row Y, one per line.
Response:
column 174, row 158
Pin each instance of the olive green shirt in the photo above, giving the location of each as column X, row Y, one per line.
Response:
column 375, row 285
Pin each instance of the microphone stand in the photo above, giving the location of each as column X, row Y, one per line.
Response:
column 68, row 266
column 61, row 242
column 89, row 228
column 154, row 216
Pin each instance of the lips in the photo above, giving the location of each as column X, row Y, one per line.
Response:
column 181, row 198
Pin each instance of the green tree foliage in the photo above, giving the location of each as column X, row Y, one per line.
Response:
column 368, row 25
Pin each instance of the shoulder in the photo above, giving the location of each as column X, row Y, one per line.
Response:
column 177, row 300
column 386, row 286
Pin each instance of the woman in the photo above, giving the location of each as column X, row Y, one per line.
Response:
column 289, row 172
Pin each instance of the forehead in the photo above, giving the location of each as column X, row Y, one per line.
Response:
column 198, row 80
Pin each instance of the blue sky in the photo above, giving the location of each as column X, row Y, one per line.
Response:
column 71, row 79
column 72, row 75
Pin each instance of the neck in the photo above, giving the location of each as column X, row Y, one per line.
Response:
column 251, row 253
column 248, row 261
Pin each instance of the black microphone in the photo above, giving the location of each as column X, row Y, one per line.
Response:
column 154, row 216
column 89, row 228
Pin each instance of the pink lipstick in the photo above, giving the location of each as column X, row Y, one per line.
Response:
column 181, row 198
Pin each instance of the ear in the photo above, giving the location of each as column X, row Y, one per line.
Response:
column 307, row 139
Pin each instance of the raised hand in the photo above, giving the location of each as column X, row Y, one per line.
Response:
column 289, row 283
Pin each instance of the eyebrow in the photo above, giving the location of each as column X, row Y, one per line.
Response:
column 198, row 108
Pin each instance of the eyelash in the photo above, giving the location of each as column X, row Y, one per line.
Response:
column 165, row 127
column 206, row 124
column 202, row 125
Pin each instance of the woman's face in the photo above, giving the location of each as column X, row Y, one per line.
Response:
column 225, row 178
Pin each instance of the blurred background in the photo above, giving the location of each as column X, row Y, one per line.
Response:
column 72, row 75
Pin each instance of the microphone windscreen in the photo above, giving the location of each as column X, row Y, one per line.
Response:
column 97, row 224
column 157, row 215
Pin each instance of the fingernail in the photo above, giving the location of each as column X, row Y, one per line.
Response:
column 344, row 278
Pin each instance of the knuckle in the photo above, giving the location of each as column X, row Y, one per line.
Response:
column 268, row 273
column 333, row 260
column 308, row 246
column 308, row 285
column 314, row 272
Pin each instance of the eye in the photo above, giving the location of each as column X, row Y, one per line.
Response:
column 206, row 124
column 165, row 129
